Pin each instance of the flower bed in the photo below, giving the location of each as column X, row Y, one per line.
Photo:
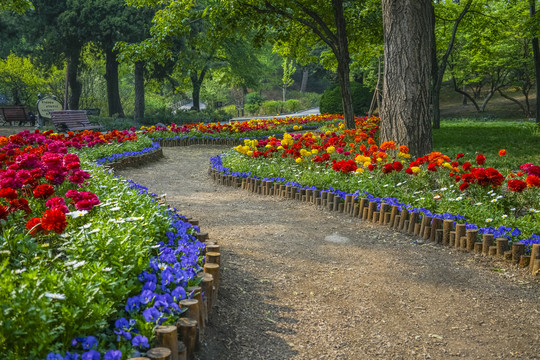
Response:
column 502, row 202
column 255, row 128
column 88, row 262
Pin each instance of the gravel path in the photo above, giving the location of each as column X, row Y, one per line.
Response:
column 300, row 282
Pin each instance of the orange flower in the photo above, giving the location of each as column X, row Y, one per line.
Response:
column 502, row 152
column 371, row 141
column 388, row 145
column 404, row 149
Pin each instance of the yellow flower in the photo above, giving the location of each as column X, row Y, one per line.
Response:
column 314, row 151
column 415, row 169
column 250, row 153
column 367, row 163
column 403, row 155
column 280, row 148
column 359, row 170
column 447, row 165
column 330, row 149
column 299, row 160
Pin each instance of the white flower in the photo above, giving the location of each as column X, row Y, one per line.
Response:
column 85, row 226
column 7, row 252
column 459, row 198
column 489, row 220
column 55, row 296
column 478, row 203
column 513, row 209
column 155, row 246
column 162, row 266
column 71, row 263
column 20, row 271
column 385, row 185
column 79, row 264
column 494, row 200
column 504, row 216
column 93, row 231
column 443, row 189
column 115, row 208
column 107, row 269
column 134, row 218
column 437, row 197
column 76, row 214
column 493, row 194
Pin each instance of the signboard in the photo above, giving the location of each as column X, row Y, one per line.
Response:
column 46, row 105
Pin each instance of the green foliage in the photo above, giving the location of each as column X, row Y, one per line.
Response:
column 18, row 6
column 22, row 81
column 292, row 105
column 272, row 107
column 254, row 98
column 331, row 100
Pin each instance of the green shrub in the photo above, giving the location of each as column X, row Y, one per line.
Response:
column 331, row 99
column 231, row 110
column 272, row 107
column 292, row 105
column 308, row 99
column 254, row 98
column 252, row 109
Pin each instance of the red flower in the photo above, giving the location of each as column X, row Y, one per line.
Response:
column 44, row 191
column 8, row 193
column 533, row 180
column 387, row 168
column 516, row 185
column 34, row 225
column 460, row 155
column 480, row 159
column 466, row 166
column 3, row 212
column 463, row 186
column 19, row 204
column 432, row 167
column 409, row 171
column 398, row 166
column 54, row 220
column 502, row 152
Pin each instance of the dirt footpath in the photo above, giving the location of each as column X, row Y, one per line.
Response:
column 299, row 282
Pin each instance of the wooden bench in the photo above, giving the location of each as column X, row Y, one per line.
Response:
column 72, row 120
column 15, row 113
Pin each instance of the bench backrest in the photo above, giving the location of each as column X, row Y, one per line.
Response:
column 14, row 113
column 70, row 119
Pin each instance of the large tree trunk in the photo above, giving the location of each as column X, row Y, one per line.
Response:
column 196, row 92
column 405, row 115
column 138, row 113
column 343, row 59
column 74, row 83
column 111, row 77
column 536, row 55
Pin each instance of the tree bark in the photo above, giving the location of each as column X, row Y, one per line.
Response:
column 305, row 76
column 536, row 55
column 74, row 83
column 405, row 115
column 343, row 59
column 196, row 81
column 111, row 77
column 138, row 113
column 437, row 81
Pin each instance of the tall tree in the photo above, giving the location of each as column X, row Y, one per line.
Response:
column 440, row 65
column 536, row 54
column 301, row 25
column 405, row 115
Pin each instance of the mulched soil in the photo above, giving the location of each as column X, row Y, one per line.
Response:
column 299, row 282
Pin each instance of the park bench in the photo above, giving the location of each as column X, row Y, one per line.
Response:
column 72, row 120
column 15, row 113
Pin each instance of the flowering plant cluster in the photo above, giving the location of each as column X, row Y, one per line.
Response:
column 502, row 201
column 253, row 127
column 89, row 263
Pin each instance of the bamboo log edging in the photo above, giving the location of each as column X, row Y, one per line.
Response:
column 429, row 228
column 136, row 161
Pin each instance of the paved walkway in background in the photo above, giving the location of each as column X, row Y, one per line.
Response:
column 308, row 112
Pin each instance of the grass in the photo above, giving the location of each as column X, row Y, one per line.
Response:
column 521, row 139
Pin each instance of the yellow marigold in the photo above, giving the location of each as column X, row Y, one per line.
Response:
column 280, row 147
column 314, row 151
column 299, row 160
column 403, row 155
column 330, row 149
column 359, row 170
column 447, row 165
column 367, row 163
column 249, row 153
column 416, row 169
column 361, row 159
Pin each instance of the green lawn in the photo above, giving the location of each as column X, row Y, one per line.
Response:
column 520, row 139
